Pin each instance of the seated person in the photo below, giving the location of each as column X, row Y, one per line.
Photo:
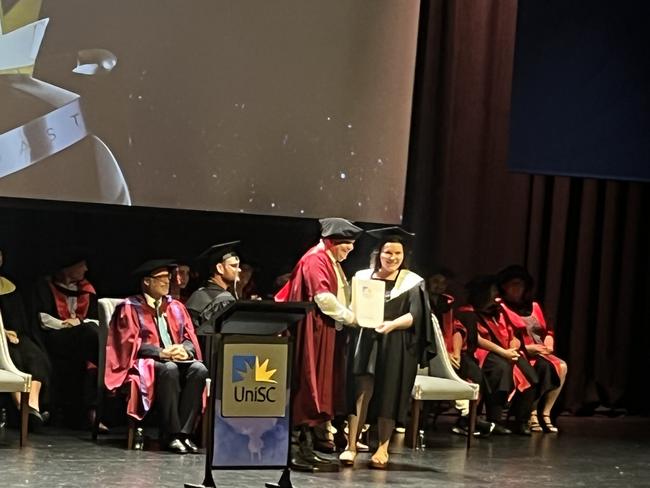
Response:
column 245, row 286
column 151, row 340
column 222, row 264
column 506, row 372
column 464, row 344
column 26, row 355
column 65, row 309
column 441, row 303
column 527, row 320
column 178, row 288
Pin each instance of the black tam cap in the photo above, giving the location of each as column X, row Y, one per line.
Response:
column 148, row 267
column 338, row 228
column 390, row 234
column 218, row 253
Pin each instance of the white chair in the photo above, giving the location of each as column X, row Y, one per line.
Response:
column 12, row 380
column 105, row 309
column 440, row 382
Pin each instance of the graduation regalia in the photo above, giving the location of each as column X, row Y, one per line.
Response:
column 208, row 301
column 393, row 358
column 26, row 355
column 319, row 359
column 531, row 328
column 496, row 330
column 133, row 325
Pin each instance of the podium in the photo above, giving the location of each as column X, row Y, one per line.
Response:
column 249, row 347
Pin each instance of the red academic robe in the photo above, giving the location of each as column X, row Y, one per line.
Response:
column 497, row 330
column 132, row 325
column 517, row 322
column 318, row 389
column 84, row 291
column 449, row 325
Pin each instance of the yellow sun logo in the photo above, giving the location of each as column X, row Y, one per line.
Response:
column 249, row 369
column 262, row 373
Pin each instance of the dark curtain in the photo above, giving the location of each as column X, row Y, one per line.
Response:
column 584, row 240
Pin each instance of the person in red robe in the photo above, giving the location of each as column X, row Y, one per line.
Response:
column 319, row 371
column 526, row 318
column 64, row 322
column 153, row 350
column 507, row 374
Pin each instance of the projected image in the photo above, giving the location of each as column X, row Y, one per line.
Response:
column 47, row 149
column 286, row 108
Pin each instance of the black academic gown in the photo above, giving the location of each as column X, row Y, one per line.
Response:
column 27, row 355
column 393, row 358
column 73, row 351
column 206, row 302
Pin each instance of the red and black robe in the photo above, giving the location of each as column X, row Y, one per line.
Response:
column 319, row 366
column 133, row 325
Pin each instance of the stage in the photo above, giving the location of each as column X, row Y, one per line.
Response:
column 590, row 451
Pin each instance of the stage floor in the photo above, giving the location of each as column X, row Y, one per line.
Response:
column 590, row 452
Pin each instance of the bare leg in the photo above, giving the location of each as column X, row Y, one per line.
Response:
column 365, row 386
column 552, row 395
column 386, row 427
column 33, row 396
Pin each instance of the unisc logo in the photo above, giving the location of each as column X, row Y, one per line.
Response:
column 252, row 381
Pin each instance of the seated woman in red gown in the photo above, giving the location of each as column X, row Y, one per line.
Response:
column 527, row 320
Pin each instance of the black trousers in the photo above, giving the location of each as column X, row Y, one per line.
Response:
column 178, row 390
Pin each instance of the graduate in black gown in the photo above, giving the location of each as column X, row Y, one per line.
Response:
column 222, row 264
column 385, row 359
column 25, row 353
column 65, row 321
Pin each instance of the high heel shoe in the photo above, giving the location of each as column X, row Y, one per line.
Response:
column 534, row 424
column 347, row 458
column 547, row 425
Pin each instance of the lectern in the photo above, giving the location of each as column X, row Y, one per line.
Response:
column 249, row 352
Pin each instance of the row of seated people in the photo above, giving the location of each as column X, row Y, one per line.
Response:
column 500, row 340
column 151, row 338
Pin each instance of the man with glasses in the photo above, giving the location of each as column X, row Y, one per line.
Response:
column 151, row 340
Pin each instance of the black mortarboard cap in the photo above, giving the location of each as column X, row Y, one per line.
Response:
column 217, row 253
column 390, row 233
column 338, row 228
column 67, row 256
column 515, row 271
column 481, row 282
column 148, row 267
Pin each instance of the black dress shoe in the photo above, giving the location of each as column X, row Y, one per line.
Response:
column 34, row 420
column 190, row 446
column 324, row 445
column 501, row 430
column 299, row 464
column 177, row 446
column 522, row 429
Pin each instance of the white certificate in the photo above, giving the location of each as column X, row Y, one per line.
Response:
column 368, row 301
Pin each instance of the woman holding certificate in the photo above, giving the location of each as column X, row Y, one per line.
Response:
column 395, row 334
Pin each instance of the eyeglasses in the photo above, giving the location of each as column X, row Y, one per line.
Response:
column 162, row 278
